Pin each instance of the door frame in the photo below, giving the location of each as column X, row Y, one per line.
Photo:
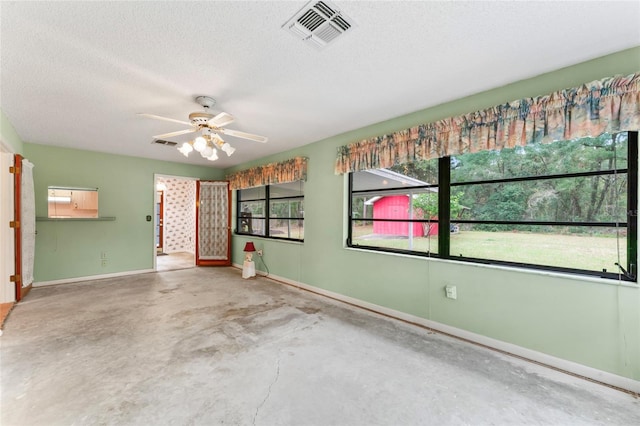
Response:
column 153, row 209
column 214, row 262
column 159, row 223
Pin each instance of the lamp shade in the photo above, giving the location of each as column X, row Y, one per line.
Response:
column 213, row 156
column 207, row 151
column 249, row 247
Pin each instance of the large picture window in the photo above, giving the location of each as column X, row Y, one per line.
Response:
column 568, row 206
column 272, row 211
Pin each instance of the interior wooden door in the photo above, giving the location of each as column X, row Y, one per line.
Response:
column 17, row 215
column 213, row 223
column 24, row 226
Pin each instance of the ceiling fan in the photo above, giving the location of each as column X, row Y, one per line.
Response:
column 208, row 125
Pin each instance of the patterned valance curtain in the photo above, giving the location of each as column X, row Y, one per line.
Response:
column 283, row 172
column 608, row 105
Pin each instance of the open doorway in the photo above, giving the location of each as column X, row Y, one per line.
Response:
column 174, row 222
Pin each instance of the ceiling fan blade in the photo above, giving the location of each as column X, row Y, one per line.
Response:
column 158, row 117
column 221, row 120
column 172, row 134
column 244, row 135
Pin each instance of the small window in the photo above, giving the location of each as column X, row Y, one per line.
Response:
column 66, row 202
column 273, row 211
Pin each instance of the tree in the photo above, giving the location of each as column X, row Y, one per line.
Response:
column 566, row 199
column 427, row 203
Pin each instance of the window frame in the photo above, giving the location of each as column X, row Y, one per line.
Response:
column 627, row 273
column 267, row 217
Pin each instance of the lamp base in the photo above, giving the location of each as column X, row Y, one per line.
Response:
column 248, row 269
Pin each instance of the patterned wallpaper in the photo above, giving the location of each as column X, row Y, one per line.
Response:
column 179, row 215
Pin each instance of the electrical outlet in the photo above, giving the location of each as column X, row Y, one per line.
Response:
column 451, row 292
column 259, row 252
column 104, row 263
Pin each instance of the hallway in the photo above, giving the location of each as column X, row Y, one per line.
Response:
column 202, row 346
column 173, row 261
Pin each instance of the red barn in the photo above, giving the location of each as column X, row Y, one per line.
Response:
column 393, row 207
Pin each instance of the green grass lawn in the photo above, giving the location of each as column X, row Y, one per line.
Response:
column 574, row 251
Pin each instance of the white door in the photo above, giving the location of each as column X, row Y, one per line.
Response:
column 7, row 234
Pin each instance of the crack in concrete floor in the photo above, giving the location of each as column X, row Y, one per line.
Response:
column 266, row 397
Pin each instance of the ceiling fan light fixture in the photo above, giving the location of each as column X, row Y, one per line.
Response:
column 199, row 143
column 185, row 149
column 228, row 149
column 207, row 152
column 214, row 156
column 206, row 126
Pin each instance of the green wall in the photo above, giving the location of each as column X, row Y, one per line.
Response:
column 68, row 249
column 589, row 322
column 585, row 321
column 9, row 136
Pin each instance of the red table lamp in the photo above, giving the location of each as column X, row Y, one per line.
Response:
column 249, row 248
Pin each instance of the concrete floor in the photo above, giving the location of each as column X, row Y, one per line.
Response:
column 201, row 346
column 173, row 261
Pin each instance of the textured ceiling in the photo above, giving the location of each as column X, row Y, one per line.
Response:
column 75, row 74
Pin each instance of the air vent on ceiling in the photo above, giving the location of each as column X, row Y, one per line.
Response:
column 163, row 142
column 319, row 23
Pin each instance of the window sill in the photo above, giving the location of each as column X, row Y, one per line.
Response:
column 76, row 219
column 262, row 237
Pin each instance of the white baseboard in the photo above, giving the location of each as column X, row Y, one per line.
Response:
column 91, row 278
column 505, row 347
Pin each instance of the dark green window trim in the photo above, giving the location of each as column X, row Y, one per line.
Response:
column 267, row 203
column 626, row 272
